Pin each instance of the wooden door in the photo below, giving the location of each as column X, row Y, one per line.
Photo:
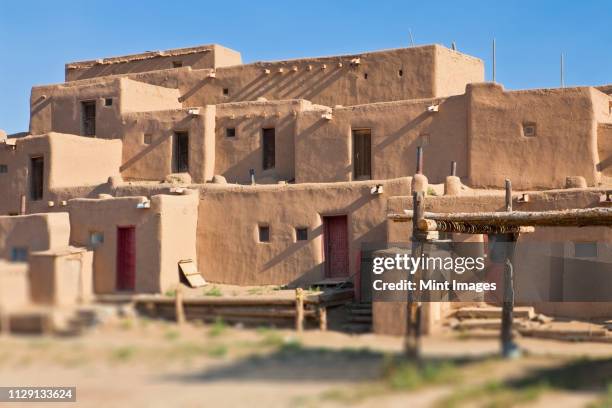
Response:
column 181, row 152
column 37, row 177
column 126, row 258
column 336, row 246
column 88, row 117
column 362, row 152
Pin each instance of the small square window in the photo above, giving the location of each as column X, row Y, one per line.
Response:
column 529, row 129
column 400, row 72
column 365, row 76
column 177, row 64
column 230, row 132
column 108, row 101
column 301, row 234
column 96, row 239
column 225, row 91
column 19, row 254
column 147, row 138
column 585, row 249
column 264, row 233
column 3, row 168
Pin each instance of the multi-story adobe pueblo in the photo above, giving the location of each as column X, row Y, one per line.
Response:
column 281, row 172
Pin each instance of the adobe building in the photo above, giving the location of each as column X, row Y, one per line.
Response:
column 285, row 172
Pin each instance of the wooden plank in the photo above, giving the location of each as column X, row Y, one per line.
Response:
column 426, row 225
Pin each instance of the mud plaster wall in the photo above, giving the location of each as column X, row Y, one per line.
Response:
column 38, row 232
column 156, row 269
column 229, row 252
column 68, row 161
column 235, row 156
column 211, row 56
column 498, row 149
column 14, row 286
column 324, row 147
column 154, row 161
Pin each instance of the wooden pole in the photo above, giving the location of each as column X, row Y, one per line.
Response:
column 469, row 228
column 299, row 310
column 322, row 318
column 22, row 207
column 419, row 168
column 178, row 305
column 453, row 168
column 412, row 339
column 508, row 195
column 509, row 348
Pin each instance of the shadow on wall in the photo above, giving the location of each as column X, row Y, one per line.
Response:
column 293, row 248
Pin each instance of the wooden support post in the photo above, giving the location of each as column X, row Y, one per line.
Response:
column 178, row 305
column 322, row 318
column 22, row 207
column 453, row 168
column 412, row 339
column 509, row 348
column 508, row 195
column 419, row 168
column 299, row 310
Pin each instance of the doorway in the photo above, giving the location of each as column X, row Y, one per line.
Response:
column 362, row 154
column 181, row 152
column 336, row 248
column 126, row 258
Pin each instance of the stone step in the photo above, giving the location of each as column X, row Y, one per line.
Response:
column 520, row 312
column 490, row 324
column 360, row 319
column 361, row 312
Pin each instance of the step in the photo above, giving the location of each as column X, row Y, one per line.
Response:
column 520, row 312
column 361, row 312
column 492, row 324
column 360, row 319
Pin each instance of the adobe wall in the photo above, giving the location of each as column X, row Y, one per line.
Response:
column 37, row 232
column 229, row 252
column 68, row 161
column 207, row 56
column 160, row 242
column 235, row 156
column 324, row 147
column 14, row 286
column 565, row 143
column 58, row 107
column 154, row 161
column 326, row 80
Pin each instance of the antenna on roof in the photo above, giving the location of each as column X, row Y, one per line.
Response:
column 562, row 73
column 411, row 38
column 493, row 59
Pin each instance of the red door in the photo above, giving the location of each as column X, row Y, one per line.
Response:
column 126, row 258
column 335, row 242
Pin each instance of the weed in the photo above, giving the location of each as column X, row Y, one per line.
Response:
column 214, row 291
column 218, row 327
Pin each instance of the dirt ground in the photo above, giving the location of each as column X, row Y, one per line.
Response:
column 144, row 363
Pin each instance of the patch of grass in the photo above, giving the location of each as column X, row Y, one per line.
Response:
column 214, row 291
column 431, row 191
column 408, row 375
column 170, row 293
column 219, row 350
column 314, row 289
column 172, row 334
column 126, row 324
column 606, row 399
column 259, row 290
column 123, row 354
column 218, row 328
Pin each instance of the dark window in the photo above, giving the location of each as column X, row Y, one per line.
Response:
column 230, row 132
column 177, row 64
column 96, row 239
column 226, row 91
column 585, row 249
column 37, row 172
column 3, row 168
column 529, row 129
column 147, row 138
column 362, row 150
column 181, row 152
column 88, row 117
column 400, row 72
column 108, row 101
column 301, row 234
column 264, row 233
column 365, row 76
column 19, row 254
column 269, row 148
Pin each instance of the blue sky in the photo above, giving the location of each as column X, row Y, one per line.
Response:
column 37, row 38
